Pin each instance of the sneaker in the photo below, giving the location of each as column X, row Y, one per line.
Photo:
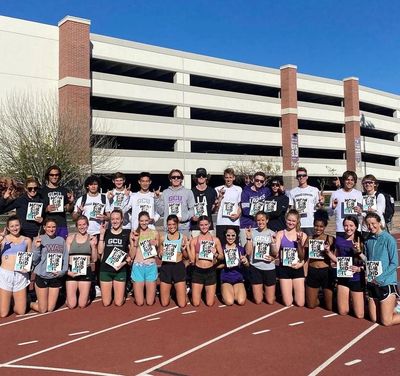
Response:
column 98, row 291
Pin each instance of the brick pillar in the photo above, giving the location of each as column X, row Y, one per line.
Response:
column 74, row 80
column 352, row 125
column 290, row 150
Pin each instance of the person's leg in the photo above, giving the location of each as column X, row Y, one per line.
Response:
column 357, row 299
column 42, row 294
column 286, row 286
column 372, row 309
column 197, row 288
column 240, row 293
column 269, row 294
column 312, row 297
column 257, row 293
column 165, row 293
column 388, row 316
column 180, row 292
column 5, row 302
column 19, row 302
column 52, row 298
column 119, row 292
column 138, row 293
column 84, row 291
column 299, row 291
column 328, row 298
column 210, row 295
column 343, row 294
column 106, row 292
column 151, row 292
column 71, row 289
column 228, row 294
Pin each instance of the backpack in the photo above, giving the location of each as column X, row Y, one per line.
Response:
column 84, row 199
column 389, row 206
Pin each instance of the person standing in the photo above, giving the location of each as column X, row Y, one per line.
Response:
column 276, row 206
column 119, row 196
column 58, row 201
column 228, row 204
column 205, row 201
column 305, row 199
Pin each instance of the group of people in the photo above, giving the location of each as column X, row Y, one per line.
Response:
column 262, row 234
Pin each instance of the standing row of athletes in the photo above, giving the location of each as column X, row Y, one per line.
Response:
column 246, row 219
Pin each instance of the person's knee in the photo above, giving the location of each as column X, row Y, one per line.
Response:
column 3, row 314
column 241, row 301
column 228, row 301
column 386, row 321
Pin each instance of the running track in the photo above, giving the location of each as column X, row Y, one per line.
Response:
column 196, row 341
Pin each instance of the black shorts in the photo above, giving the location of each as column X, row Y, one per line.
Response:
column 204, row 277
column 49, row 282
column 287, row 272
column 320, row 277
column 88, row 277
column 172, row 272
column 381, row 292
column 262, row 277
column 355, row 286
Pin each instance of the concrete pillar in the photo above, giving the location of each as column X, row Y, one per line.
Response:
column 352, row 125
column 290, row 148
column 182, row 78
column 74, row 78
column 396, row 114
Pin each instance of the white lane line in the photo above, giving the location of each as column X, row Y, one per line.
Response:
column 27, row 343
column 389, row 349
column 64, row 370
column 78, row 333
column 351, row 363
column 222, row 306
column 62, row 344
column 154, row 319
column 261, row 331
column 188, row 312
column 204, row 344
column 147, row 359
column 39, row 315
column 27, row 314
column 330, row 315
column 343, row 350
column 296, row 323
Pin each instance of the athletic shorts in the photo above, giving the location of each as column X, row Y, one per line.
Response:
column 355, row 286
column 88, row 277
column 287, row 272
column 262, row 277
column 171, row 272
column 42, row 283
column 144, row 272
column 381, row 293
column 119, row 276
column 206, row 277
column 13, row 281
column 320, row 277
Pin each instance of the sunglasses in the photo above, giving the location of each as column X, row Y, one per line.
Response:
column 176, row 177
column 54, row 174
column 301, row 176
column 368, row 182
column 231, row 236
column 259, row 181
column 32, row 189
column 275, row 185
column 201, row 176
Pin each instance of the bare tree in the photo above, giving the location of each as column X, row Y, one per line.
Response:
column 246, row 168
column 34, row 135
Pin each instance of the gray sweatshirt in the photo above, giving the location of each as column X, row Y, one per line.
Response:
column 176, row 201
column 49, row 245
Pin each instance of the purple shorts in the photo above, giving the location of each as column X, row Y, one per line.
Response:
column 62, row 231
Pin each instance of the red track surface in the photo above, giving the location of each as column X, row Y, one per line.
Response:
column 212, row 341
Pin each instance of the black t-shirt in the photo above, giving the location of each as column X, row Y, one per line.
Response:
column 203, row 199
column 54, row 196
column 111, row 241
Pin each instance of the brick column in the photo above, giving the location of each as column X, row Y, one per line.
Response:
column 352, row 125
column 290, row 150
column 74, row 79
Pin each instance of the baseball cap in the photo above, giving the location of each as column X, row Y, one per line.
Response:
column 201, row 172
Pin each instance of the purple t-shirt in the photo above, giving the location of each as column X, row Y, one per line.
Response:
column 344, row 248
column 233, row 275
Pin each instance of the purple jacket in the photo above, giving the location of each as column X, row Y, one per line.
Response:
column 249, row 196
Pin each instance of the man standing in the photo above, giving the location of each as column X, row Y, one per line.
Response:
column 228, row 203
column 118, row 198
column 204, row 198
column 305, row 199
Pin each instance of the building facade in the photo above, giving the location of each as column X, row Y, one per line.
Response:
column 171, row 109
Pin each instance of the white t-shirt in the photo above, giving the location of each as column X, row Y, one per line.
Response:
column 230, row 203
column 93, row 205
column 346, row 201
column 380, row 209
column 120, row 201
column 304, row 201
column 138, row 202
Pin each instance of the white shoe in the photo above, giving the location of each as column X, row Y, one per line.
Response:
column 98, row 291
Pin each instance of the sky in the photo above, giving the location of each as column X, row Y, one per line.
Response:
column 328, row 38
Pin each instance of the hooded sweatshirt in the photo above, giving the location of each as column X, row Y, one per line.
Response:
column 179, row 201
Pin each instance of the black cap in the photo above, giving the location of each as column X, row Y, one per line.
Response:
column 201, row 171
